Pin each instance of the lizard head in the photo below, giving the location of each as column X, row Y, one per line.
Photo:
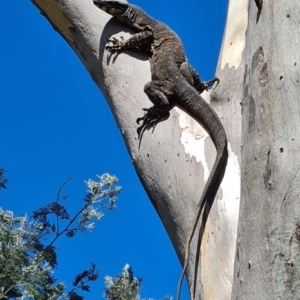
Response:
column 125, row 13
column 114, row 8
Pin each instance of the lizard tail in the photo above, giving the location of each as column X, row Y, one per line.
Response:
column 209, row 193
column 187, row 251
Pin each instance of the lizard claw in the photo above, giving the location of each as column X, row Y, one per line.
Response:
column 211, row 82
column 152, row 117
column 138, row 120
column 116, row 44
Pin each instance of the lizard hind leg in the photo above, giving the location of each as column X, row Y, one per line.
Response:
column 193, row 78
column 158, row 93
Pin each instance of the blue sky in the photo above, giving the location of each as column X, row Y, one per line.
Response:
column 55, row 122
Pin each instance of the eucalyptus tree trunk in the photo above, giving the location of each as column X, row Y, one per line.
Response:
column 267, row 263
column 256, row 101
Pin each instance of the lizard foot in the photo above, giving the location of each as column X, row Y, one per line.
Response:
column 116, row 44
column 152, row 117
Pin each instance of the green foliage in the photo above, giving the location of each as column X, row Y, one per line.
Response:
column 27, row 264
column 24, row 269
column 3, row 180
column 124, row 286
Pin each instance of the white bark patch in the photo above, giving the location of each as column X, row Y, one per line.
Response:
column 231, row 185
column 193, row 138
column 235, row 35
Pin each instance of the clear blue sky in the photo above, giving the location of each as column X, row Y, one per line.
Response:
column 55, row 122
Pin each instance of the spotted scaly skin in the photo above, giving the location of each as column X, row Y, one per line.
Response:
column 172, row 79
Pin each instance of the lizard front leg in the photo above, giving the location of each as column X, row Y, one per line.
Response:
column 193, row 78
column 135, row 41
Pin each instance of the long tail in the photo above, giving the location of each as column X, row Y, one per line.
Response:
column 209, row 192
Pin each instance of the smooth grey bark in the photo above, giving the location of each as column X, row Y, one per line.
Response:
column 267, row 264
column 174, row 162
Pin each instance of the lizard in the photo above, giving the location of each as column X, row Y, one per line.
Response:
column 173, row 79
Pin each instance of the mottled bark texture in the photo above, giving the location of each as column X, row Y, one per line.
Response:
column 174, row 162
column 267, row 263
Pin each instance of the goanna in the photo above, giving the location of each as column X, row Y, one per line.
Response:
column 173, row 79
